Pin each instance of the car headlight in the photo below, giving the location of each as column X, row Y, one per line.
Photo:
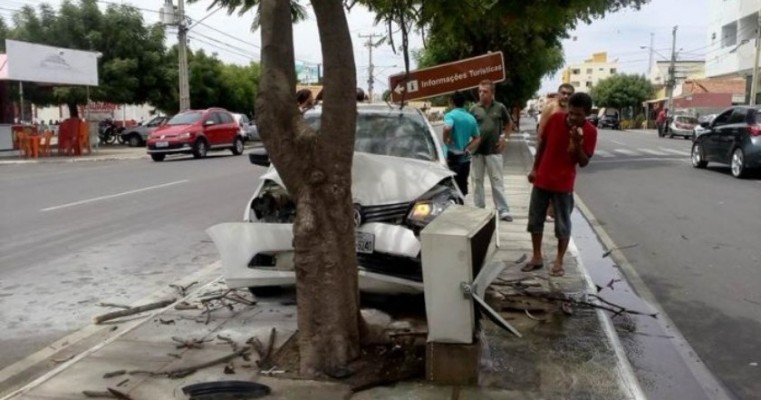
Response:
column 424, row 211
column 185, row 135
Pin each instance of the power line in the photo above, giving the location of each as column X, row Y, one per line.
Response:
column 238, row 50
column 248, row 58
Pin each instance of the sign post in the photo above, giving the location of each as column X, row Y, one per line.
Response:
column 447, row 78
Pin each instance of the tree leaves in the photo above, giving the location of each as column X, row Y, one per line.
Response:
column 622, row 90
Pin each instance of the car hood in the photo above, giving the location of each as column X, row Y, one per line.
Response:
column 378, row 180
column 171, row 130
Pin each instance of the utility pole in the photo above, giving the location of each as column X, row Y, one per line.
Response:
column 650, row 59
column 672, row 70
column 182, row 39
column 371, row 69
column 754, row 84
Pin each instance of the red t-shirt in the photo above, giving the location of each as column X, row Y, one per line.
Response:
column 661, row 117
column 557, row 168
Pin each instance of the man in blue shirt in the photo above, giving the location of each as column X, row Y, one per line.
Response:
column 461, row 137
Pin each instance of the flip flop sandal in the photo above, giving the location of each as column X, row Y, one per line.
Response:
column 557, row 272
column 532, row 267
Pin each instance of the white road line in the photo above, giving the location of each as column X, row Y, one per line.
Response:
column 672, row 151
column 603, row 154
column 626, row 152
column 653, row 152
column 618, row 143
column 111, row 196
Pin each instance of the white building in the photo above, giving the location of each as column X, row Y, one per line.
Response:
column 585, row 75
column 684, row 69
column 731, row 44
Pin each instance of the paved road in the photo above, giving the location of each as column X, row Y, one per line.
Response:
column 697, row 233
column 76, row 234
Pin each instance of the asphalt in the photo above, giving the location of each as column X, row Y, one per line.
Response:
column 696, row 248
column 74, row 234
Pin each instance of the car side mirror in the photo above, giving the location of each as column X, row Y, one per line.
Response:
column 705, row 124
column 208, row 122
column 259, row 156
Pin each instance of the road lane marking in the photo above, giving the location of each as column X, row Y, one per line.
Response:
column 672, row 151
column 626, row 152
column 604, row 153
column 644, row 159
column 653, row 152
column 618, row 143
column 111, row 196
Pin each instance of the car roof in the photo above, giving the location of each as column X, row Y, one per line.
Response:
column 375, row 108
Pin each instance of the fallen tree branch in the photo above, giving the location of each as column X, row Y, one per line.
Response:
column 183, row 290
column 114, row 305
column 185, row 371
column 132, row 311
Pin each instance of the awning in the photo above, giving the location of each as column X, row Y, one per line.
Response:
column 655, row 100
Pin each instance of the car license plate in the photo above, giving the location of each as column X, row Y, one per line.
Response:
column 162, row 144
column 365, row 242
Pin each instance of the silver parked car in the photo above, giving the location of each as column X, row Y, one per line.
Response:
column 247, row 128
column 400, row 183
column 683, row 125
column 137, row 136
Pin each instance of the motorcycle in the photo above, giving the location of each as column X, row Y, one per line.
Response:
column 109, row 132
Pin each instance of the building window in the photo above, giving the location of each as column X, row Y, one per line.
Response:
column 575, row 84
column 589, row 70
column 575, row 71
column 589, row 84
column 612, row 71
column 729, row 35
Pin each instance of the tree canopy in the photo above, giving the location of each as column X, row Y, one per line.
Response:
column 622, row 90
column 135, row 66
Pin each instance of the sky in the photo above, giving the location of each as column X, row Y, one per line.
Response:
column 620, row 34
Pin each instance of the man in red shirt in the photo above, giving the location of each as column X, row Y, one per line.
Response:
column 567, row 140
column 660, row 121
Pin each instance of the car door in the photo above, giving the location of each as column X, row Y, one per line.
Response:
column 726, row 139
column 230, row 128
column 711, row 138
column 211, row 127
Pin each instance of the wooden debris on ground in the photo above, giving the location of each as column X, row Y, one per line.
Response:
column 132, row 311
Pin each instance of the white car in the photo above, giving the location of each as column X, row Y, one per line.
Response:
column 400, row 182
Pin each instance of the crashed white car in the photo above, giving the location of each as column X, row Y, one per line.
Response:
column 400, row 182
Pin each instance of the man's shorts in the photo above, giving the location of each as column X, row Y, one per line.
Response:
column 537, row 211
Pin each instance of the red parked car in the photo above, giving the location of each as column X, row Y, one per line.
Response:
column 196, row 132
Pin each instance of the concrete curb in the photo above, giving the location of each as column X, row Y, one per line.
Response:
column 73, row 160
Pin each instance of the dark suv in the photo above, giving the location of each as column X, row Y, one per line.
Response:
column 734, row 138
column 196, row 132
column 609, row 121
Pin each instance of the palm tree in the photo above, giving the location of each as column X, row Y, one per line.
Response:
column 298, row 12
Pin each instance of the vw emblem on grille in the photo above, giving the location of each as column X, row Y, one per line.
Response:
column 163, row 136
column 357, row 215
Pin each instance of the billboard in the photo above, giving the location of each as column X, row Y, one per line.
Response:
column 30, row 62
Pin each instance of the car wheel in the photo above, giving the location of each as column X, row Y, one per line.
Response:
column 237, row 148
column 200, row 149
column 135, row 141
column 697, row 156
column 158, row 157
column 738, row 163
column 687, row 137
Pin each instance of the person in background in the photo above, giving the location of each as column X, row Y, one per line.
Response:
column 559, row 105
column 569, row 140
column 461, row 137
column 494, row 125
column 660, row 121
column 304, row 99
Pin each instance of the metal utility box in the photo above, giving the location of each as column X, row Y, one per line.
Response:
column 455, row 246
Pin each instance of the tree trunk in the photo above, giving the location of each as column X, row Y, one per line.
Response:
column 316, row 170
column 73, row 109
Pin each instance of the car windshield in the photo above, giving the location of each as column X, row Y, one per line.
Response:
column 399, row 135
column 186, row 118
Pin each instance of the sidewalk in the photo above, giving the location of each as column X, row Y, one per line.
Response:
column 568, row 357
column 645, row 131
column 104, row 153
